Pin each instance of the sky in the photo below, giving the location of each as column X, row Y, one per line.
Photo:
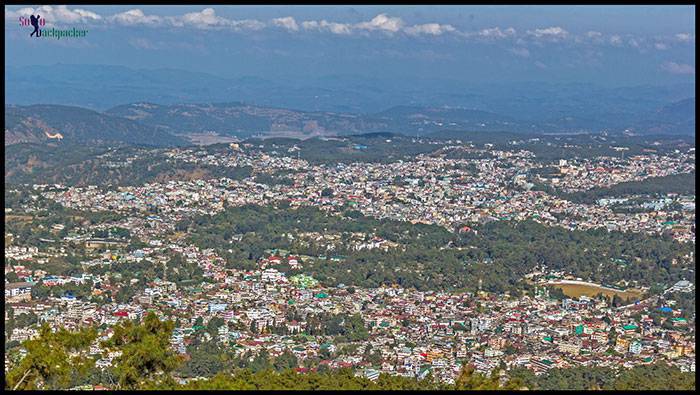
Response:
column 605, row 45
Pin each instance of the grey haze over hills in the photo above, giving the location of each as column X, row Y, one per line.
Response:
column 179, row 101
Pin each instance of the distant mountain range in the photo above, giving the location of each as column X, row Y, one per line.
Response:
column 83, row 103
column 157, row 124
column 246, row 120
column 677, row 117
column 351, row 103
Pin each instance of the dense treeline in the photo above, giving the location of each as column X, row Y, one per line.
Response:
column 22, row 161
column 350, row 327
column 30, row 229
column 273, row 179
column 377, row 147
column 659, row 376
column 430, row 257
column 126, row 166
column 683, row 184
column 588, row 254
column 176, row 268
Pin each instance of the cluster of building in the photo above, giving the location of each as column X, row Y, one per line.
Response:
column 583, row 174
column 415, row 333
column 430, row 189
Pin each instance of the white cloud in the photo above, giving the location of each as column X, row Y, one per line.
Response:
column 615, row 40
column 382, row 22
column 246, row 24
column 9, row 14
column 135, row 17
column 685, row 37
column 336, row 28
column 56, row 14
column 434, row 29
column 592, row 36
column 287, row 22
column 207, row 19
column 678, row 68
column 496, row 32
column 204, row 19
column 522, row 52
column 540, row 65
column 552, row 33
column 62, row 13
column 661, row 46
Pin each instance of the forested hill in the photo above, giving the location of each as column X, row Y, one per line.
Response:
column 166, row 125
column 80, row 165
column 500, row 254
column 677, row 118
column 244, row 120
column 72, row 125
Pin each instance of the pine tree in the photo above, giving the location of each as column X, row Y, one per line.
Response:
column 52, row 359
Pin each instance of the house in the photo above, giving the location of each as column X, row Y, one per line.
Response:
column 275, row 260
column 271, row 275
column 294, row 326
column 293, row 262
column 371, row 374
column 635, row 347
column 570, row 348
column 679, row 321
column 621, row 344
column 17, row 292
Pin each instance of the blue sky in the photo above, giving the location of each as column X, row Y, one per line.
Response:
column 607, row 45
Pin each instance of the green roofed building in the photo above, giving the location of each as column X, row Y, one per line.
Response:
column 303, row 281
column 679, row 321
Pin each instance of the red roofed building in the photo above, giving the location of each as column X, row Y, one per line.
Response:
column 275, row 259
column 293, row 261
